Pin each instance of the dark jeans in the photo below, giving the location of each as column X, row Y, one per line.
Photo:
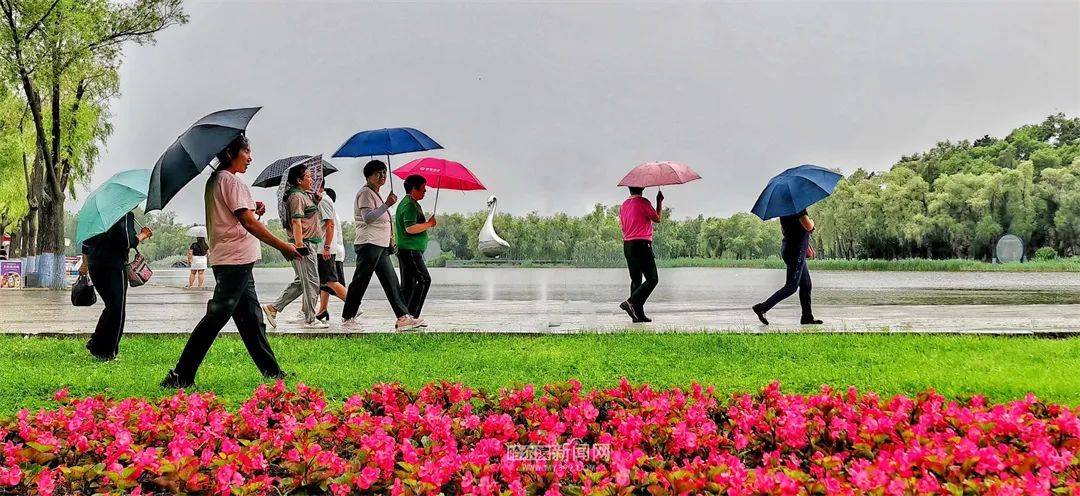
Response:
column 641, row 262
column 798, row 277
column 111, row 283
column 234, row 296
column 415, row 280
column 372, row 259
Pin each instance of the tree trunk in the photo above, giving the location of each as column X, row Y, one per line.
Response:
column 51, row 230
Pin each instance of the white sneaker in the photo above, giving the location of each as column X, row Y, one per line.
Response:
column 299, row 318
column 407, row 323
column 271, row 315
column 317, row 324
column 351, row 325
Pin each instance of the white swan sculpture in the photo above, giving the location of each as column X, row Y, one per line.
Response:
column 491, row 245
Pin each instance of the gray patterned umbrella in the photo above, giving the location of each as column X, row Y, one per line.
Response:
column 272, row 174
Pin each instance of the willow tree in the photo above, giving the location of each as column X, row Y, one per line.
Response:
column 64, row 56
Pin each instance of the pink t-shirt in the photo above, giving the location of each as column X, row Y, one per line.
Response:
column 230, row 243
column 636, row 217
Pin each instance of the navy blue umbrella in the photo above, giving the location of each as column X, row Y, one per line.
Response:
column 386, row 141
column 794, row 190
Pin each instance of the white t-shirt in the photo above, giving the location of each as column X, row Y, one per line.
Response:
column 328, row 212
column 378, row 232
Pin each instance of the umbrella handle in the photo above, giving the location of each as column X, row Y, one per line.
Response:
column 389, row 175
column 438, row 188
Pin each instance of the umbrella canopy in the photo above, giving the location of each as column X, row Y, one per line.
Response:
column 387, row 141
column 658, row 174
column 197, row 231
column 119, row 195
column 441, row 173
column 794, row 190
column 272, row 174
column 193, row 151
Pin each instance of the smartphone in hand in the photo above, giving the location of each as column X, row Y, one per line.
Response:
column 303, row 251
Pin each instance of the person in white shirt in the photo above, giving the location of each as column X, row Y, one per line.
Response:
column 332, row 256
column 373, row 247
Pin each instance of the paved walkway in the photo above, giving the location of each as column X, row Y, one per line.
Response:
column 161, row 309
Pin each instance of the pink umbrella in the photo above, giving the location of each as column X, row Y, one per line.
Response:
column 659, row 174
column 441, row 173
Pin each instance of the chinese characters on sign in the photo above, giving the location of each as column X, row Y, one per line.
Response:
column 558, row 452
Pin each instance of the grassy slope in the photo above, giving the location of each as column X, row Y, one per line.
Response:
column 999, row 367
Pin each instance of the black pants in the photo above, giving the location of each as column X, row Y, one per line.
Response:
column 372, row 259
column 798, row 277
column 111, row 283
column 415, row 280
column 642, row 263
column 234, row 296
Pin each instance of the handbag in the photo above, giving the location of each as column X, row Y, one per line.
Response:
column 82, row 292
column 138, row 270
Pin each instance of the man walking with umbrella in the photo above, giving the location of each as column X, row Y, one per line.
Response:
column 787, row 196
column 794, row 250
column 234, row 235
column 636, row 216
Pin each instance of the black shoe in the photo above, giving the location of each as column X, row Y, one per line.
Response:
column 629, row 309
column 173, row 381
column 760, row 314
column 641, row 317
column 810, row 321
column 325, row 316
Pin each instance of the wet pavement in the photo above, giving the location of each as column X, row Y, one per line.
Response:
column 561, row 300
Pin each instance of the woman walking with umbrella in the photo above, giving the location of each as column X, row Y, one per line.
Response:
column 305, row 231
column 234, row 234
column 373, row 247
column 106, row 229
column 787, row 196
column 411, row 226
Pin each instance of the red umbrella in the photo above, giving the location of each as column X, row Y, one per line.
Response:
column 659, row 174
column 441, row 173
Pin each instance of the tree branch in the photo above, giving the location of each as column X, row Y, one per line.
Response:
column 40, row 22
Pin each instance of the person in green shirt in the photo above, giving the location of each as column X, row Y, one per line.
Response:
column 411, row 231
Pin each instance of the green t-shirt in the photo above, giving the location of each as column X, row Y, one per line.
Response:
column 409, row 213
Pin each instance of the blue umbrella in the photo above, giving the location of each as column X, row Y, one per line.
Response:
column 386, row 141
column 794, row 190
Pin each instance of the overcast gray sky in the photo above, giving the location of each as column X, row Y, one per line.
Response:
column 551, row 103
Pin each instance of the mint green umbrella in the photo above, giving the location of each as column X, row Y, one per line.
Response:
column 110, row 202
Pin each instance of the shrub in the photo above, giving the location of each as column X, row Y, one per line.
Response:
column 1045, row 253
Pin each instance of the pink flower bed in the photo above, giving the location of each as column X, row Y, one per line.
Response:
column 625, row 440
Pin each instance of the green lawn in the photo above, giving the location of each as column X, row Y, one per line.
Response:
column 1002, row 368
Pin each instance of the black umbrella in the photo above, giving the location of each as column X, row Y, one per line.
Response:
column 271, row 175
column 193, row 151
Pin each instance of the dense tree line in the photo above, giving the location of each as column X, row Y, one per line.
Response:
column 957, row 199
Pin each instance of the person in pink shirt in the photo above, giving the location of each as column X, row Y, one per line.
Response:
column 234, row 235
column 637, row 216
